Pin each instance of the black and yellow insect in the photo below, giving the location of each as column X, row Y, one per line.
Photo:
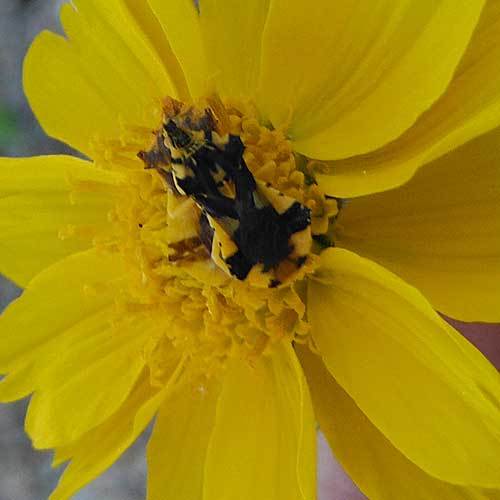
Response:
column 247, row 224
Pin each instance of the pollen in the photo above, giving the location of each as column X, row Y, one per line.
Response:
column 216, row 220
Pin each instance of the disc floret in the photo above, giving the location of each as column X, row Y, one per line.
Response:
column 215, row 223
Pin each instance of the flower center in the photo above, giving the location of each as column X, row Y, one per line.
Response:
column 218, row 222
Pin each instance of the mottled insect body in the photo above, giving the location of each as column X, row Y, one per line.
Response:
column 249, row 227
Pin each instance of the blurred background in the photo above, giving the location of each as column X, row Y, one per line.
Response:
column 26, row 474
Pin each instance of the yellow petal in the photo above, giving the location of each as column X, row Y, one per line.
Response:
column 152, row 29
column 232, row 32
column 19, row 383
column 91, row 379
column 374, row 464
column 35, row 205
column 440, row 232
column 425, row 387
column 353, row 76
column 180, row 22
column 29, row 370
column 62, row 338
column 101, row 447
column 105, row 76
column 470, row 107
column 263, row 444
column 56, row 90
column 56, row 300
column 178, row 446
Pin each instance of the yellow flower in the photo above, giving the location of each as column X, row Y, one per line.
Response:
column 271, row 184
